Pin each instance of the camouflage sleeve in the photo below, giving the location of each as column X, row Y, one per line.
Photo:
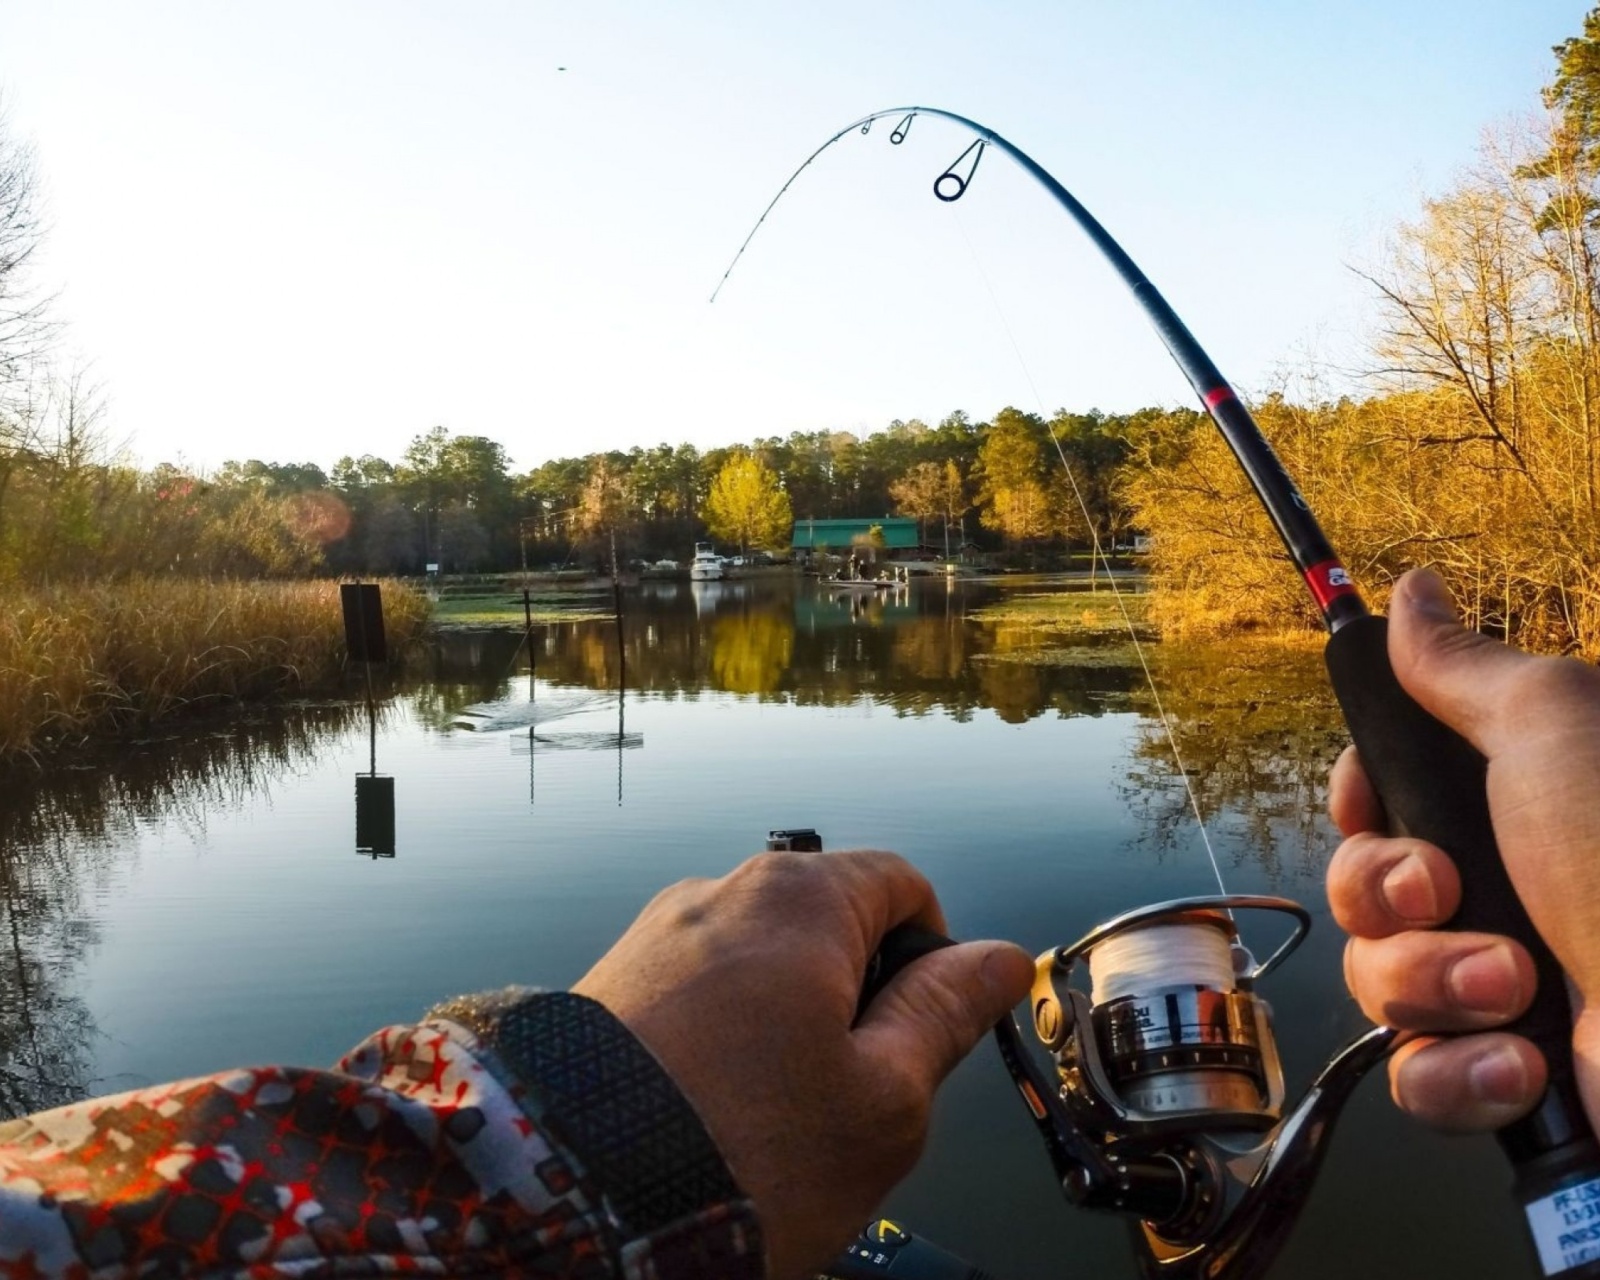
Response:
column 519, row 1134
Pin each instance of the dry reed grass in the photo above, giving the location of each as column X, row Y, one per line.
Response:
column 100, row 660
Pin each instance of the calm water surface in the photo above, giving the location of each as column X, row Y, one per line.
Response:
column 199, row 903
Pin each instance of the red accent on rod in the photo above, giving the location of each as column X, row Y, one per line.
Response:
column 1328, row 581
column 1217, row 395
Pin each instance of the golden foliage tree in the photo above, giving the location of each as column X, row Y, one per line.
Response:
column 604, row 514
column 1492, row 330
column 1016, row 498
column 746, row 505
column 931, row 489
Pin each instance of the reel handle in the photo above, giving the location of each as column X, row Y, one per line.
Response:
column 1432, row 784
column 886, row 1248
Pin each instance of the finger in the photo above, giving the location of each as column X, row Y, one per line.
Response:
column 1352, row 803
column 936, row 1009
column 1468, row 1084
column 852, row 897
column 885, row 890
column 1460, row 677
column 1382, row 885
column 1439, row 981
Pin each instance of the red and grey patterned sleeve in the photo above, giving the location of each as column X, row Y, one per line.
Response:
column 518, row 1134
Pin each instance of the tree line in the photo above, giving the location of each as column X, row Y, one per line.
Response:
column 456, row 500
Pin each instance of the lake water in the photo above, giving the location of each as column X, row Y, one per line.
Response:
column 196, row 903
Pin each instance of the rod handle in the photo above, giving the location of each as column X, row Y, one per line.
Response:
column 1433, row 786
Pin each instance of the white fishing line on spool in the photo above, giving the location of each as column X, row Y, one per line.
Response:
column 1146, row 962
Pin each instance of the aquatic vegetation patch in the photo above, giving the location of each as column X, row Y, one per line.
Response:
column 1089, row 613
column 1098, row 656
column 505, row 610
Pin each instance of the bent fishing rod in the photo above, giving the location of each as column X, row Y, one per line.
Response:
column 1167, row 1102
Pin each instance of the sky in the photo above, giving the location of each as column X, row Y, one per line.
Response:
column 295, row 230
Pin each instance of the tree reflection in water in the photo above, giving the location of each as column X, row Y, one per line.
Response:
column 63, row 836
column 780, row 640
column 1258, row 728
column 751, row 652
column 1255, row 723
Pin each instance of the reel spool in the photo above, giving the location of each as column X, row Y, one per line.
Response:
column 1178, row 1040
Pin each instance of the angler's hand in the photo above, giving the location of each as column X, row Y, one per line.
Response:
column 1537, row 720
column 745, row 989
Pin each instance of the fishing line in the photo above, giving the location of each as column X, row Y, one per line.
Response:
column 865, row 125
column 1150, row 961
column 1098, row 553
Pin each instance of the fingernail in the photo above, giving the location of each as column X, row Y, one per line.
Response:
column 1408, row 889
column 1486, row 981
column 1498, row 1076
column 1007, row 972
column 1426, row 593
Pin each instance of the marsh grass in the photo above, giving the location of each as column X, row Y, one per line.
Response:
column 103, row 660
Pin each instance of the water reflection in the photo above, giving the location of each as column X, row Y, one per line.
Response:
column 375, row 823
column 465, row 669
column 1025, row 771
column 916, row 650
column 63, row 839
column 1257, row 728
column 1256, row 761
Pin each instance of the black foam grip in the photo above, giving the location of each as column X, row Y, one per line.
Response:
column 900, row 946
column 1432, row 784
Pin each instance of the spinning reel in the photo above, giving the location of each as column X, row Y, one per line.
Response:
column 1167, row 1105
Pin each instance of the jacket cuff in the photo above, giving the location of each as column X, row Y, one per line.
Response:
column 589, row 1084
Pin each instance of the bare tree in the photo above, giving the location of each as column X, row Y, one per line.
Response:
column 25, row 328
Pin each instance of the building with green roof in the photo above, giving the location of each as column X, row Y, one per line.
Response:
column 882, row 533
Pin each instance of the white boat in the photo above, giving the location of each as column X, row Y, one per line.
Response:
column 706, row 565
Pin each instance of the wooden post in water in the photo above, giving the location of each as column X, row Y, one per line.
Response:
column 616, row 595
column 527, row 622
column 362, row 604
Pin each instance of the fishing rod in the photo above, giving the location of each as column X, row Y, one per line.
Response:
column 1167, row 1102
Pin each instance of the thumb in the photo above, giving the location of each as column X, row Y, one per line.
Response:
column 1458, row 676
column 939, row 1007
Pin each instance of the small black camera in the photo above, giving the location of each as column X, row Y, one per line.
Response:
column 795, row 839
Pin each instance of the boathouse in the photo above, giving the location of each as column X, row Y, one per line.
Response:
column 873, row 537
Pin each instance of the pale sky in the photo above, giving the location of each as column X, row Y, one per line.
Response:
column 296, row 230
